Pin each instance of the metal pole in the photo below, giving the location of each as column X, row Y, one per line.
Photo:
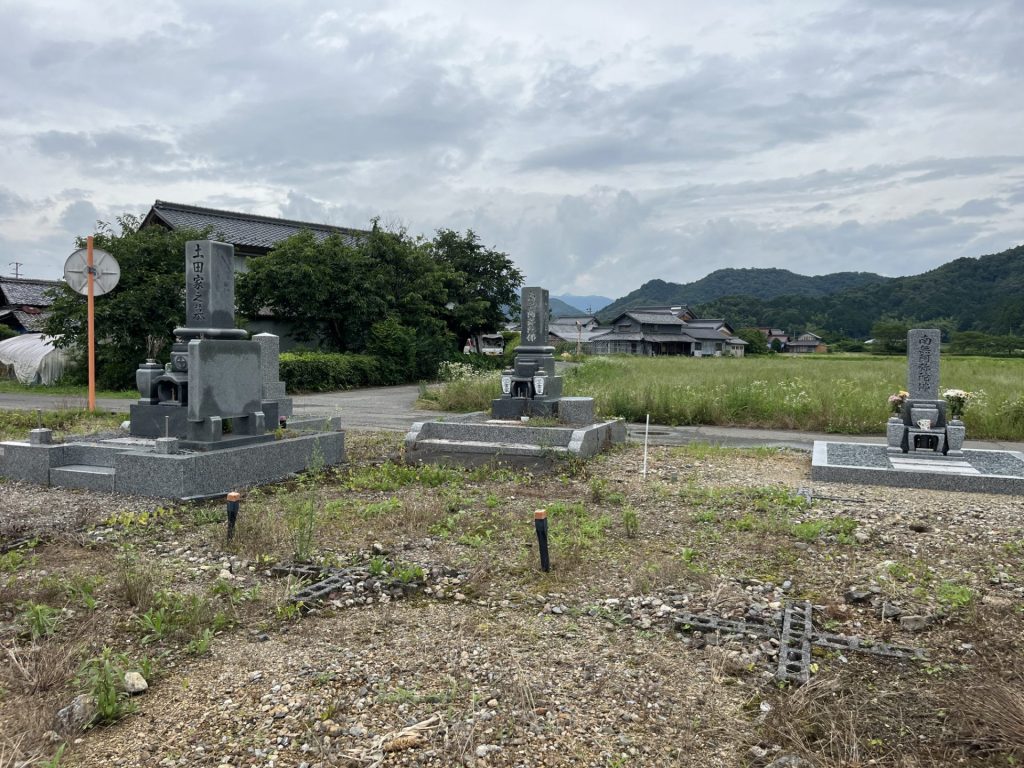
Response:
column 91, row 271
column 540, row 522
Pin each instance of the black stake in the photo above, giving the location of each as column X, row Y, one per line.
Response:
column 233, row 498
column 540, row 522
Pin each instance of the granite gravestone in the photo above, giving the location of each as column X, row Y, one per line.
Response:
column 270, row 360
column 215, row 373
column 921, row 428
column 530, row 387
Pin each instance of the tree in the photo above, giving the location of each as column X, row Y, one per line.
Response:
column 890, row 337
column 757, row 344
column 134, row 321
column 482, row 284
column 384, row 294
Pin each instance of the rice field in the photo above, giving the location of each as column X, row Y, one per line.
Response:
column 842, row 394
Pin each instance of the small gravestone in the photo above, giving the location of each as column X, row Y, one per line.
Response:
column 270, row 361
column 921, row 427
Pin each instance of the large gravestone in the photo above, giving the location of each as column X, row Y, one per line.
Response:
column 530, row 387
column 921, row 427
column 215, row 374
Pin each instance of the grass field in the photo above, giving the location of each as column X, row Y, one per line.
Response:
column 67, row 390
column 843, row 394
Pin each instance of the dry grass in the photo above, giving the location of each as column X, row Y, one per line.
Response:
column 38, row 667
column 989, row 717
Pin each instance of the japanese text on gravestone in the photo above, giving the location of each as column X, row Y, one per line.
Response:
column 198, row 279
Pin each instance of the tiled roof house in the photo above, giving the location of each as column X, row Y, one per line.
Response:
column 24, row 303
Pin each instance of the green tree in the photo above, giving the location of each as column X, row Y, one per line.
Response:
column 134, row 321
column 384, row 294
column 482, row 283
column 757, row 344
column 890, row 337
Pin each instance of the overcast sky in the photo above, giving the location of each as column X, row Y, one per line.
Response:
column 599, row 144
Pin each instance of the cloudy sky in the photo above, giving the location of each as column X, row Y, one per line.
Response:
column 600, row 144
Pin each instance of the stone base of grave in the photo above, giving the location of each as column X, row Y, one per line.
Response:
column 972, row 472
column 476, row 439
column 141, row 467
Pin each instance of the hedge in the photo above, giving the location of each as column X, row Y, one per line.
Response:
column 327, row 371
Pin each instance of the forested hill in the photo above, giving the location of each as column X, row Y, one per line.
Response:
column 970, row 294
column 759, row 283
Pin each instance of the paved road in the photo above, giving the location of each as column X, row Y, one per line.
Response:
column 393, row 408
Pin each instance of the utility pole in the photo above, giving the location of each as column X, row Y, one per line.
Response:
column 17, row 266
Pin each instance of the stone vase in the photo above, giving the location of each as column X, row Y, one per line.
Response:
column 955, row 433
column 894, row 429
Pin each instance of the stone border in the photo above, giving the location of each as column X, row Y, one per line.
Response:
column 937, row 479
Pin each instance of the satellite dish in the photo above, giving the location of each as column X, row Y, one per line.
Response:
column 106, row 272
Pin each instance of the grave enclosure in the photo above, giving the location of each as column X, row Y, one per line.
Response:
column 924, row 448
column 530, row 389
column 205, row 424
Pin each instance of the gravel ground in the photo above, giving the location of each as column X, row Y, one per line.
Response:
column 486, row 661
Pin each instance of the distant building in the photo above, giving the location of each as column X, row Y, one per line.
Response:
column 662, row 331
column 579, row 330
column 24, row 305
column 805, row 343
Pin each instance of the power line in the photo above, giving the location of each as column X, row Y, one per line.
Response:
column 17, row 266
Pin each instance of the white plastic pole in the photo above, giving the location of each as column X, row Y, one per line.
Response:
column 647, row 429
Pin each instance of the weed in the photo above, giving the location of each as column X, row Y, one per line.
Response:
column 155, row 624
column 378, row 566
column 630, row 522
column 15, row 560
column 407, row 573
column 598, row 489
column 492, row 501
column 137, row 582
column 39, row 619
column 289, row 611
column 301, row 518
column 954, row 596
column 129, row 518
column 379, row 508
column 200, row 645
column 102, row 678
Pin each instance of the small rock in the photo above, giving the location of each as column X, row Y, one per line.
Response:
column 862, row 537
column 485, row 749
column 788, row 761
column 134, row 683
column 857, row 595
column 76, row 715
column 889, row 611
column 358, row 730
column 225, row 574
column 913, row 623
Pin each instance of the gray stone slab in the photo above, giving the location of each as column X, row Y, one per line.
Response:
column 209, row 284
column 149, row 420
column 183, row 476
column 868, row 464
column 480, row 439
column 224, row 378
column 31, row 463
column 576, row 410
column 923, row 364
column 84, row 476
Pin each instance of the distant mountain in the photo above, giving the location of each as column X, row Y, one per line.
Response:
column 560, row 309
column 983, row 294
column 755, row 282
column 595, row 303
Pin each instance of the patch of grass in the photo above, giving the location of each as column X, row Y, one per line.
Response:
column 380, row 508
column 390, row 476
column 39, row 619
column 15, row 560
column 137, row 581
column 301, row 518
column 131, row 518
column 572, row 530
column 954, row 596
column 15, row 425
column 812, row 530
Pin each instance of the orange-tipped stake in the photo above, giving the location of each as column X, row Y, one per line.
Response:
column 540, row 522
column 233, row 499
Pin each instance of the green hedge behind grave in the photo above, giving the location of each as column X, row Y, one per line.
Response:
column 328, row 371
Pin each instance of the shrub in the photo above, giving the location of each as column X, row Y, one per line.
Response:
column 328, row 371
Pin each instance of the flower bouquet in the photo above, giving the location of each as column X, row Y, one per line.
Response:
column 957, row 400
column 897, row 400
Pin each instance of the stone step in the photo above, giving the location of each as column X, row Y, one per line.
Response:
column 92, row 454
column 90, row 477
column 482, row 446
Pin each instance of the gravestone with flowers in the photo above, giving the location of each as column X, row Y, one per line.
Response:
column 920, row 423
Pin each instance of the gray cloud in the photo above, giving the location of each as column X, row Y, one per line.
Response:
column 599, row 146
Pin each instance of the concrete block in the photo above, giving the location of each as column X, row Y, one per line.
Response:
column 576, row 410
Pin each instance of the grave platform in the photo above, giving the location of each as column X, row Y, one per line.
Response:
column 136, row 466
column 973, row 472
column 476, row 438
